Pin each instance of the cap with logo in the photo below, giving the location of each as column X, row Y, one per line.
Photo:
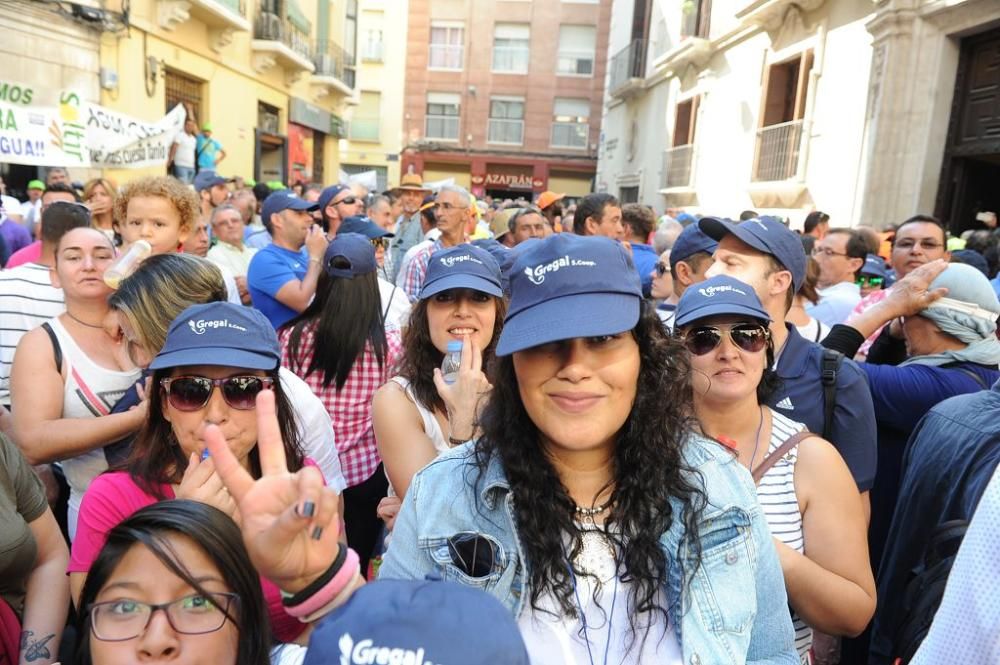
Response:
column 545, row 199
column 765, row 234
column 284, row 199
column 719, row 295
column 365, row 226
column 691, row 241
column 206, row 179
column 412, row 182
column 220, row 333
column 329, row 194
column 567, row 286
column 462, row 267
column 356, row 250
column 418, row 622
column 36, row 184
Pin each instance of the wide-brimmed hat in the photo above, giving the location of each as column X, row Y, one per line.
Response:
column 413, row 182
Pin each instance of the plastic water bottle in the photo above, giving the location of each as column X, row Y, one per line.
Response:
column 452, row 361
column 127, row 263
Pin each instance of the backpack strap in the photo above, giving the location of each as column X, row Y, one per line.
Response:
column 772, row 459
column 828, row 377
column 56, row 348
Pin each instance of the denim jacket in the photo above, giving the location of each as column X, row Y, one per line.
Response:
column 735, row 611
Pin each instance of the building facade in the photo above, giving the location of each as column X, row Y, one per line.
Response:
column 375, row 130
column 505, row 97
column 784, row 107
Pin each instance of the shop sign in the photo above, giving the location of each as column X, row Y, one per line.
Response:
column 508, row 180
column 304, row 113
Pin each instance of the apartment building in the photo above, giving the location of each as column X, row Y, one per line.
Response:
column 505, row 97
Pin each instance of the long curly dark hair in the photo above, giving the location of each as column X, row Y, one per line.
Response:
column 648, row 471
column 420, row 356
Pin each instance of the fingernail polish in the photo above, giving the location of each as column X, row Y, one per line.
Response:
column 308, row 509
column 317, row 532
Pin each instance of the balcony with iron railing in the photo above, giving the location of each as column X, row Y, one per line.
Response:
column 502, row 130
column 334, row 67
column 677, row 166
column 222, row 17
column 441, row 128
column 776, row 154
column 277, row 41
column 363, row 129
column 627, row 69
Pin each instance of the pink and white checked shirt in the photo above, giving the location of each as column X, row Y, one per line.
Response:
column 350, row 408
column 869, row 300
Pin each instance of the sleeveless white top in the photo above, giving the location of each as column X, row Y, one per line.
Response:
column 89, row 391
column 776, row 493
column 432, row 428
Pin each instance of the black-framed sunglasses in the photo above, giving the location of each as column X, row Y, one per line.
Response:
column 750, row 337
column 473, row 554
column 347, row 200
column 125, row 619
column 870, row 281
column 662, row 269
column 191, row 393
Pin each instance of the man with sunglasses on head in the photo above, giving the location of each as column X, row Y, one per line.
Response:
column 821, row 389
column 840, row 255
column 690, row 257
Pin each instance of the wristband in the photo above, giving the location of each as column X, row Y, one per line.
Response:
column 330, row 590
column 291, row 599
column 457, row 442
column 341, row 598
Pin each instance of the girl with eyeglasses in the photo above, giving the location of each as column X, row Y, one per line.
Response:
column 808, row 496
column 216, row 359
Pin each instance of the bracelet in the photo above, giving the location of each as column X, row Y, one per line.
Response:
column 330, row 590
column 457, row 442
column 292, row 599
column 312, row 260
column 341, row 598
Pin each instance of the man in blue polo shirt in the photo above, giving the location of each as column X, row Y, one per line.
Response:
column 764, row 253
column 282, row 276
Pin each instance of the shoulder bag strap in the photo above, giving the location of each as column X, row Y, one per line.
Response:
column 56, row 348
column 772, row 459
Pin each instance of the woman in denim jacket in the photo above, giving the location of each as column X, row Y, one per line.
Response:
column 611, row 532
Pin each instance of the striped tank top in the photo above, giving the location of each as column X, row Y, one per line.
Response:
column 776, row 493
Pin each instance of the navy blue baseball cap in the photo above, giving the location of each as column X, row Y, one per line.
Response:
column 462, row 267
column 284, row 199
column 691, row 241
column 365, row 226
column 220, row 333
column 874, row 265
column 406, row 621
column 502, row 255
column 765, row 234
column 329, row 194
column 718, row 295
column 358, row 252
column 208, row 178
column 567, row 286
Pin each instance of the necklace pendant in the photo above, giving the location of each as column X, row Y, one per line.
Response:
column 597, row 556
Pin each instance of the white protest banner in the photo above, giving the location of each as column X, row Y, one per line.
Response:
column 49, row 127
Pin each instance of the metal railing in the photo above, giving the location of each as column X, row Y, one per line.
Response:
column 575, row 63
column 628, row 63
column 777, row 151
column 446, row 56
column 271, row 27
column 332, row 60
column 363, row 129
column 570, row 134
column 373, row 52
column 505, row 131
column 677, row 166
column 513, row 59
column 442, row 127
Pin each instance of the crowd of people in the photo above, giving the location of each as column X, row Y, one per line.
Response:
column 249, row 424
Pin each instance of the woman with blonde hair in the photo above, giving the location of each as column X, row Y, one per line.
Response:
column 99, row 195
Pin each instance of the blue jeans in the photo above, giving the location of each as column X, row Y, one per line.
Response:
column 184, row 174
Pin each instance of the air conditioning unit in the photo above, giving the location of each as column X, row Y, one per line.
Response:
column 269, row 26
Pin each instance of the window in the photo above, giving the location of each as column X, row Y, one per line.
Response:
column 506, row 120
column 696, row 19
column 351, row 30
column 628, row 195
column 571, row 123
column 372, row 48
column 182, row 89
column 677, row 159
column 783, row 107
column 577, row 45
column 511, row 49
column 442, row 116
column 365, row 121
column 447, row 45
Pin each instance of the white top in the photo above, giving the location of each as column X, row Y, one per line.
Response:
column 27, row 299
column 814, row 331
column 776, row 493
column 395, row 305
column 836, row 303
column 315, row 428
column 432, row 428
column 186, row 145
column 232, row 291
column 231, row 258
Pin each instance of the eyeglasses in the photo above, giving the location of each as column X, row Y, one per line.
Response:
column 866, row 281
column 750, row 337
column 826, row 251
column 662, row 269
column 907, row 244
column 197, row 614
column 347, row 200
column 449, row 206
column 378, row 242
column 191, row 393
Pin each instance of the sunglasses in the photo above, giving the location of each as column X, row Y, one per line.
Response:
column 473, row 554
column 347, row 200
column 662, row 269
column 870, row 280
column 191, row 393
column 750, row 337
column 377, row 242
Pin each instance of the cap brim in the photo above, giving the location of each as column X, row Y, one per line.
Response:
column 716, row 229
column 715, row 309
column 411, row 188
column 566, row 317
column 462, row 281
column 207, row 355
